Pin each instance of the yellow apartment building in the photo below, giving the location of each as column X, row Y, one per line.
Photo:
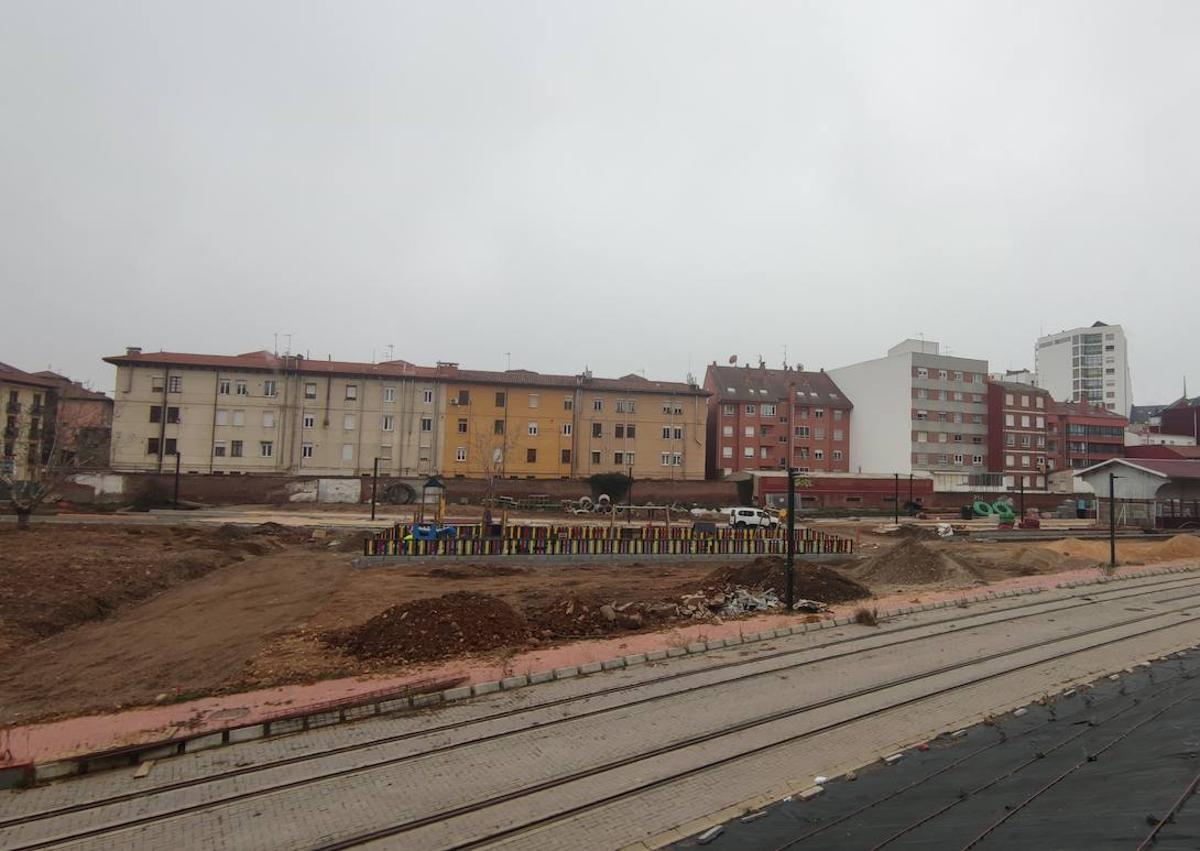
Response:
column 28, row 421
column 524, row 424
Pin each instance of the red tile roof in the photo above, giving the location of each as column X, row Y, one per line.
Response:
column 746, row 384
column 12, row 375
column 268, row 362
column 1169, row 468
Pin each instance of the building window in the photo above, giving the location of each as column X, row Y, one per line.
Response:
column 498, row 427
column 726, row 431
column 943, row 374
column 348, row 422
column 818, row 413
column 619, row 430
column 266, row 448
column 567, row 429
column 568, row 403
column 597, row 429
column 347, row 451
column 306, row 450
column 818, row 434
column 389, row 422
column 268, row 419
column 958, row 438
column 677, row 459
column 1010, row 440
column 922, row 415
column 1009, row 399
column 1010, row 420
column 958, row 459
column 531, row 455
column 223, row 386
column 922, row 437
column 1024, row 421
column 222, row 417
column 958, row 376
column 1024, row 460
column 748, row 431
column 958, row 397
column 309, row 420
column 819, row 454
column 666, row 432
column 426, row 424
column 1039, row 402
column 462, row 425
column 269, row 387
column 152, row 446
column 922, row 372
column 595, row 456
column 175, row 384
column 460, row 454
column 726, row 451
column 156, row 413
column 802, row 452
column 748, row 451
column 351, row 391
column 941, row 437
column 751, row 409
column 728, row 410
column 802, row 432
column 310, row 390
column 763, row 452
column 241, row 388
column 565, row 455
column 169, row 447
column 502, row 399
column 837, row 415
column 389, row 394
column 239, row 418
column 533, row 429
column 677, row 432
column 618, row 457
column 597, row 404
column 768, row 410
column 219, row 449
column 534, row 400
column 976, row 460
column 941, row 459
column 235, row 449
column 427, row 397
column 837, row 455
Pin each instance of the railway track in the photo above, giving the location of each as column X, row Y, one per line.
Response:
column 1182, row 588
column 959, row 622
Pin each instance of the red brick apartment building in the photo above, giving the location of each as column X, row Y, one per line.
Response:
column 1021, row 419
column 758, row 418
column 1087, row 434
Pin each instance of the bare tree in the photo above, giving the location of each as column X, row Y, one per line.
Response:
column 489, row 451
column 53, row 451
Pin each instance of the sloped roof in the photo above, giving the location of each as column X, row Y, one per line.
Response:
column 1018, row 387
column 1086, row 409
column 758, row 384
column 1143, row 413
column 12, row 375
column 1164, row 467
column 263, row 361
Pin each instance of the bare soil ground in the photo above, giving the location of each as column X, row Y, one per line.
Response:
column 92, row 618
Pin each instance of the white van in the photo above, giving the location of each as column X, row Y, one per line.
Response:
column 742, row 518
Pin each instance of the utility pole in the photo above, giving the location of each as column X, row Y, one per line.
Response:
column 374, row 485
column 912, row 508
column 896, row 501
column 1112, row 520
column 178, row 456
column 1021, row 492
column 791, row 537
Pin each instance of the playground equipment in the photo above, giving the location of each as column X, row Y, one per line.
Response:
column 1001, row 509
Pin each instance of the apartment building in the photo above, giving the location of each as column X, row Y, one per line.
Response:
column 1086, row 365
column 1021, row 419
column 759, row 418
column 83, row 421
column 1084, row 434
column 917, row 409
column 28, row 421
column 262, row 413
column 525, row 424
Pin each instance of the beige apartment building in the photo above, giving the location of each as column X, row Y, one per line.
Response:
column 28, row 421
column 264, row 413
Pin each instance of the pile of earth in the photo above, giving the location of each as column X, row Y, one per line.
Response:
column 476, row 571
column 913, row 532
column 811, row 581
column 434, row 628
column 912, row 563
column 573, row 616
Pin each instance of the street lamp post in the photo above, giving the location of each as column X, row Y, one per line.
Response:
column 178, row 457
column 896, row 500
column 791, row 537
column 1112, row 520
column 374, row 485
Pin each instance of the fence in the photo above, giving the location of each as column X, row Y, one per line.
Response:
column 601, row 540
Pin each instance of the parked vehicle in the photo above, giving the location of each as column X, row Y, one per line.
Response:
column 749, row 518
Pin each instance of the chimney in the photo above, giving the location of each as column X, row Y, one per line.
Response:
column 133, row 350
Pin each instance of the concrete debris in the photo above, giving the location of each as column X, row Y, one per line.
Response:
column 709, row 835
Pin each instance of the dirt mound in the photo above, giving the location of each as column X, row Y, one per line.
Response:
column 476, row 571
column 230, row 532
column 913, row 532
column 1179, row 546
column 812, row 581
column 573, row 616
column 435, row 628
column 911, row 563
column 993, row 562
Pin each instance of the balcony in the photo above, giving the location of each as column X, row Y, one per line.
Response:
column 13, row 407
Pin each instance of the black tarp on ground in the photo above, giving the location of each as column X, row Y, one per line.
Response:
column 1111, row 760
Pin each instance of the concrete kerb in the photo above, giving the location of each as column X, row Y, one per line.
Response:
column 42, row 772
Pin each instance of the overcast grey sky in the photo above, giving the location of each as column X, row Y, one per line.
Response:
column 622, row 185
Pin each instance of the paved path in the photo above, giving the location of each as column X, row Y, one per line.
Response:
column 643, row 755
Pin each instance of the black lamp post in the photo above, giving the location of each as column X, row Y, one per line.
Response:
column 1112, row 520
column 791, row 538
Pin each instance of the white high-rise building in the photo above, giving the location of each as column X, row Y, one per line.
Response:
column 1091, row 363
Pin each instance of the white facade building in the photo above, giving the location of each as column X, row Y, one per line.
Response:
column 917, row 410
column 1086, row 362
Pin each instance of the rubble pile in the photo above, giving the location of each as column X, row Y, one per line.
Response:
column 434, row 628
column 810, row 581
column 913, row 563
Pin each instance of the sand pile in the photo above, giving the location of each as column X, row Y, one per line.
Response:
column 1180, row 546
column 912, row 563
column 812, row 581
column 434, row 628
